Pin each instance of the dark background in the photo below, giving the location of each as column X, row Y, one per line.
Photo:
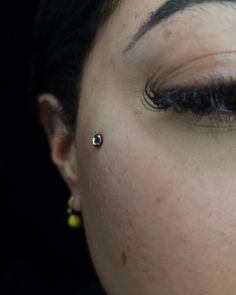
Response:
column 39, row 252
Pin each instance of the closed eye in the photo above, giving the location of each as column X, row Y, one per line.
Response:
column 214, row 98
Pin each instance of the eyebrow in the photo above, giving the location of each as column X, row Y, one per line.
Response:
column 169, row 8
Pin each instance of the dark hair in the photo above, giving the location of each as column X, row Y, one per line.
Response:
column 63, row 35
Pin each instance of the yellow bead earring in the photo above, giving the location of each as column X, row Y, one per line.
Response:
column 75, row 218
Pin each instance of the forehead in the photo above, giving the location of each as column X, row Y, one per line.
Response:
column 194, row 24
column 136, row 18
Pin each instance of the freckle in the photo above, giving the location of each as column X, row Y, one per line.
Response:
column 210, row 214
column 184, row 239
column 124, row 25
column 136, row 112
column 166, row 272
column 124, row 258
column 136, row 16
column 158, row 201
column 167, row 35
column 144, row 258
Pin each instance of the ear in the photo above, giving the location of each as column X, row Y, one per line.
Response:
column 63, row 151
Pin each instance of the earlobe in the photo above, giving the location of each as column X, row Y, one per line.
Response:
column 74, row 203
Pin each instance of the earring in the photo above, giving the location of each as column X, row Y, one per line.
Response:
column 97, row 140
column 75, row 217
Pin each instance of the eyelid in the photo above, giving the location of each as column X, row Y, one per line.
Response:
column 211, row 100
column 204, row 69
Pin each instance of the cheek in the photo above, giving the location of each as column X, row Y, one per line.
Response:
column 125, row 187
column 146, row 213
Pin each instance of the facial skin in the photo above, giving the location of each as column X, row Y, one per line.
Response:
column 159, row 197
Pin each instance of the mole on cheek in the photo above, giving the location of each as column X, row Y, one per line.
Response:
column 167, row 35
column 123, row 258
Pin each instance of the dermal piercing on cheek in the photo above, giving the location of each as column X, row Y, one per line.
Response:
column 97, row 140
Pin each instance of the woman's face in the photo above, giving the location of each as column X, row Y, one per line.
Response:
column 159, row 197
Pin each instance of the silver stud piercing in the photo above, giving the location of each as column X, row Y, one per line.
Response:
column 97, row 140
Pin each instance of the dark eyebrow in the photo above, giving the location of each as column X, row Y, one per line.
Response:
column 169, row 8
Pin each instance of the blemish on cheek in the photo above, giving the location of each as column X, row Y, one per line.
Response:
column 166, row 273
column 158, row 201
column 167, row 35
column 123, row 257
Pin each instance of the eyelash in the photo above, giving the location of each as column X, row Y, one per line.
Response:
column 217, row 100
